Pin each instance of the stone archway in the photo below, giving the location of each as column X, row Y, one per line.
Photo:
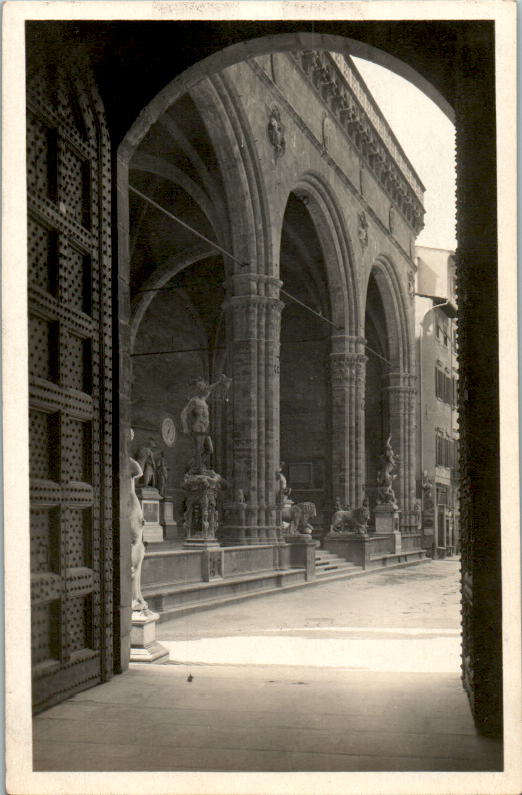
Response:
column 469, row 88
column 391, row 384
column 470, row 185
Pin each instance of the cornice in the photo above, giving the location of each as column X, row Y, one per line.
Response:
column 318, row 145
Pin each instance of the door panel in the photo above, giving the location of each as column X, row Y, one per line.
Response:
column 69, row 284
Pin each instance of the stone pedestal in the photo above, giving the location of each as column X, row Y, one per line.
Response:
column 170, row 526
column 144, row 646
column 201, row 516
column 302, row 553
column 150, row 500
column 387, row 523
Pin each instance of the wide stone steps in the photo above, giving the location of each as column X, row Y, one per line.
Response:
column 330, row 566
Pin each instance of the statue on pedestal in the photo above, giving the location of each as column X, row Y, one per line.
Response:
column 201, row 483
column 301, row 513
column 148, row 464
column 385, row 478
column 427, row 486
column 417, row 510
column 137, row 546
column 195, row 421
column 283, row 491
column 352, row 519
column 162, row 472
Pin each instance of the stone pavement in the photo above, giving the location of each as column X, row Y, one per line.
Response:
column 350, row 700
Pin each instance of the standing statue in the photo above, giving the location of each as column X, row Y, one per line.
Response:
column 137, row 545
column 417, row 511
column 162, row 472
column 147, row 463
column 284, row 491
column 385, row 478
column 427, row 485
column 195, row 420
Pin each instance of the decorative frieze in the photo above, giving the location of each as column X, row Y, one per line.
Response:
column 348, row 101
column 346, row 368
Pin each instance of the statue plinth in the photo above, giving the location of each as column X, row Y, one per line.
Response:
column 201, row 516
column 144, row 646
column 150, row 500
column 387, row 522
column 167, row 519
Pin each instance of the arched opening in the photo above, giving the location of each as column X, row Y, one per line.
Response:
column 377, row 415
column 305, row 344
column 459, row 93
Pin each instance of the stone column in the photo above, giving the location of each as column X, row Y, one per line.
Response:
column 347, row 382
column 401, row 391
column 253, row 317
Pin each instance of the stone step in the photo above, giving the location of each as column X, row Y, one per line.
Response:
column 342, row 567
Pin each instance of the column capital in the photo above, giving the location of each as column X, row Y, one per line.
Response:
column 346, row 368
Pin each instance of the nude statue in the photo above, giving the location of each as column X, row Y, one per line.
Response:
column 195, row 420
column 137, row 545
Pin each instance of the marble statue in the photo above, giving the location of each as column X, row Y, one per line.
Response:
column 284, row 491
column 356, row 519
column 417, row 510
column 241, row 496
column 148, row 464
column 300, row 515
column 385, row 478
column 137, row 545
column 427, row 485
column 195, row 420
column 162, row 472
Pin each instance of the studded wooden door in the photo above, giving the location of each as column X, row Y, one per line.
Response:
column 69, row 293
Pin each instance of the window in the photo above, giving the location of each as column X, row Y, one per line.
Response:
column 445, row 387
column 444, row 450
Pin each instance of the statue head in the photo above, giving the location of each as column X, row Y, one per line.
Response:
column 202, row 388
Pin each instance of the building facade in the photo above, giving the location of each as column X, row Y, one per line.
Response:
column 312, row 204
column 437, row 412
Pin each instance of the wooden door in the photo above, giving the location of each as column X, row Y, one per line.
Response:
column 69, row 301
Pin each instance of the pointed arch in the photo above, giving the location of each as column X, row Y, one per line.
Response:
column 324, row 209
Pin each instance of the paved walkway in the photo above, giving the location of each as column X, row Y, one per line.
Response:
column 347, row 676
column 397, row 620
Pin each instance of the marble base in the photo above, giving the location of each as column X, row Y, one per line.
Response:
column 144, row 646
column 386, row 519
column 151, row 499
column 167, row 519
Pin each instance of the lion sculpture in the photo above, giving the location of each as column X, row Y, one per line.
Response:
column 300, row 515
column 355, row 519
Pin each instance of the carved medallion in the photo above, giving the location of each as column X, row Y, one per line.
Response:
column 276, row 132
column 168, row 431
column 362, row 230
